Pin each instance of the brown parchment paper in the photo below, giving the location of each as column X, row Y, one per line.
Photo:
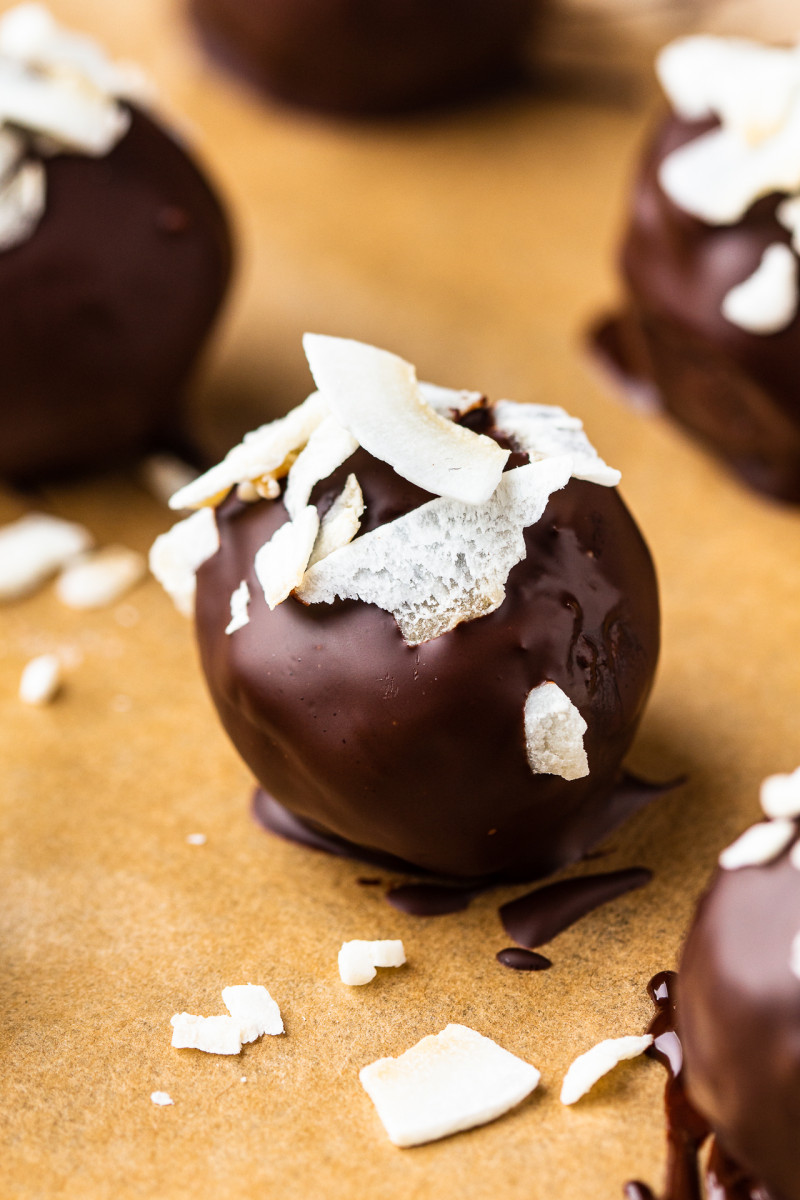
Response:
column 477, row 245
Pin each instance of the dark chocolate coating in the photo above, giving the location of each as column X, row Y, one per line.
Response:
column 106, row 306
column 368, row 56
column 736, row 391
column 739, row 1020
column 419, row 752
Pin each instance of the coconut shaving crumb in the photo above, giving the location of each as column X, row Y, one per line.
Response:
column 34, row 548
column 544, row 431
column 281, row 562
column 100, row 579
column 375, row 395
column 780, row 795
column 196, row 839
column 240, row 600
column 450, row 1081
column 328, row 447
column 252, row 1011
column 554, row 732
column 358, row 960
column 760, row 844
column 341, row 522
column 587, row 1068
column 444, row 562
column 41, row 680
column 176, row 556
column 161, row 1098
column 252, row 1006
column 766, row 301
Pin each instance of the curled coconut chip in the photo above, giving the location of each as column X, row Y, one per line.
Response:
column 176, row 556
column 281, row 562
column 767, row 300
column 240, row 600
column 359, row 960
column 443, row 563
column 587, row 1068
column 328, row 447
column 545, row 431
column 375, row 395
column 760, row 844
column 780, row 795
column 450, row 1081
column 554, row 732
column 341, row 522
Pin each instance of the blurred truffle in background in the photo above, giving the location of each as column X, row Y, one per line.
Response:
column 115, row 256
column 363, row 57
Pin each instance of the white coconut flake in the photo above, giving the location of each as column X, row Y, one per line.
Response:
column 176, row 555
column 341, row 522
column 253, row 1008
column 240, row 600
column 328, row 447
column 265, row 454
column 41, row 680
column 281, row 562
column 794, row 956
column 554, row 731
column 213, row 1035
column 761, row 843
column 376, row 396
column 358, row 959
column 77, row 119
column 450, row 1081
column 449, row 402
column 34, row 548
column 780, row 795
column 788, row 214
column 446, row 561
column 546, row 431
column 767, row 301
column 100, row 579
column 587, row 1068
column 161, row 1098
column 22, row 203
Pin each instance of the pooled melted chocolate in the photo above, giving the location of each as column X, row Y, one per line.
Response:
column 418, row 753
column 106, row 306
column 542, row 914
column 736, row 391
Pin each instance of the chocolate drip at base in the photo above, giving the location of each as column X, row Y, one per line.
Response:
column 539, row 916
column 687, row 1130
column 430, row 899
column 523, row 960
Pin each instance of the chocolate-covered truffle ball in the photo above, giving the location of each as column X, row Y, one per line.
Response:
column 710, row 327
column 461, row 696
column 368, row 56
column 739, row 1018
column 112, row 268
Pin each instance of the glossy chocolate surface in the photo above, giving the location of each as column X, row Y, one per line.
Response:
column 368, row 56
column 420, row 752
column 106, row 306
column 736, row 391
column 739, row 1020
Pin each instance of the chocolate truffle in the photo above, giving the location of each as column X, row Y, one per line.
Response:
column 114, row 258
column 456, row 684
column 378, row 56
column 739, row 1000
column 710, row 326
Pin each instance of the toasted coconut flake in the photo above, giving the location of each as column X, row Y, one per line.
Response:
column 239, row 603
column 443, row 563
column 41, row 680
column 780, row 795
column 253, row 1008
column 281, row 562
column 766, row 301
column 554, row 732
column 587, row 1068
column 341, row 522
column 358, row 959
column 213, row 1035
column 454, row 1080
column 22, row 202
column 263, row 455
column 448, row 401
column 101, row 578
column 328, row 447
column 761, row 843
column 34, row 548
column 545, row 431
column 176, row 556
column 375, row 395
